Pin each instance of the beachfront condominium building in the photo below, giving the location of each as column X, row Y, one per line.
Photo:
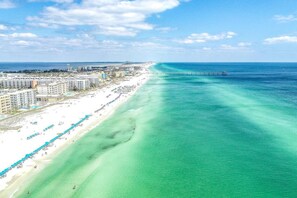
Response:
column 51, row 92
column 52, row 89
column 16, row 83
column 78, row 84
column 5, row 103
column 21, row 98
column 93, row 79
column 3, row 74
column 25, row 82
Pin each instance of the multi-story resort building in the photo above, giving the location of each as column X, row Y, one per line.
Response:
column 94, row 79
column 56, row 88
column 26, row 82
column 2, row 75
column 17, row 83
column 78, row 84
column 22, row 90
column 51, row 92
column 20, row 98
column 5, row 103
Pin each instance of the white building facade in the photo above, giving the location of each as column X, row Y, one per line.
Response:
column 5, row 103
column 52, row 89
column 21, row 98
column 16, row 83
column 73, row 83
column 78, row 84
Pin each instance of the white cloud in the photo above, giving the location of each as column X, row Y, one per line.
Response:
column 205, row 37
column 14, row 38
column 165, row 29
column 228, row 47
column 23, row 43
column 281, row 39
column 55, row 1
column 23, row 35
column 284, row 19
column 118, row 31
column 16, row 42
column 6, row 28
column 149, row 45
column 6, row 4
column 3, row 27
column 244, row 44
column 238, row 46
column 206, row 48
column 110, row 17
column 82, row 41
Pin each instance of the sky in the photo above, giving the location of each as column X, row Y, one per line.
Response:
column 148, row 30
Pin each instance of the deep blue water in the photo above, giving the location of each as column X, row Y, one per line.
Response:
column 278, row 79
column 45, row 66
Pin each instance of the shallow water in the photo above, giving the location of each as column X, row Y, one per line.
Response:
column 189, row 136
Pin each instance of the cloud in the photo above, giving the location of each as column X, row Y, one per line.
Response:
column 23, row 35
column 206, row 48
column 85, row 43
column 24, row 43
column 244, row 44
column 55, row 1
column 80, row 41
column 109, row 17
column 165, row 29
column 18, row 35
column 205, row 37
column 6, row 4
column 6, row 28
column 228, row 47
column 284, row 19
column 146, row 45
column 238, row 46
column 281, row 39
column 3, row 27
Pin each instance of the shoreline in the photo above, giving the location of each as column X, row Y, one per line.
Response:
column 30, row 168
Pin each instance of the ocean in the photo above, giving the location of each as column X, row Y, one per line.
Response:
column 19, row 66
column 188, row 135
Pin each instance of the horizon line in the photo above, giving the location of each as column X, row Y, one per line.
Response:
column 147, row 61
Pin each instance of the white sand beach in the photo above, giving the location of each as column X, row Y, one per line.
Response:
column 42, row 126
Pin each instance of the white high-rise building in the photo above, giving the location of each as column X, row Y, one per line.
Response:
column 94, row 79
column 52, row 89
column 21, row 98
column 78, row 84
column 5, row 103
column 17, row 83
column 73, row 83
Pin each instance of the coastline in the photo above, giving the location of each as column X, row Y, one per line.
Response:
column 15, row 178
column 177, row 128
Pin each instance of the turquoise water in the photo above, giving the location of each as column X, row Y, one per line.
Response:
column 35, row 107
column 189, row 136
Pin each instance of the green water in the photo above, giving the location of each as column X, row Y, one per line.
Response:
column 184, row 136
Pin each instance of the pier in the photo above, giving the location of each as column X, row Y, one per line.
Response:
column 214, row 73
